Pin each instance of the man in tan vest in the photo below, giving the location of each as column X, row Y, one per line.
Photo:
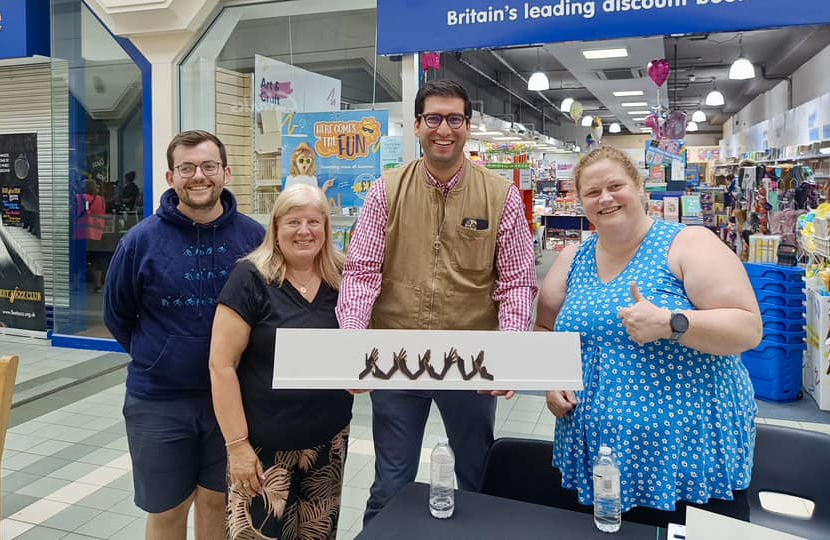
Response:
column 441, row 243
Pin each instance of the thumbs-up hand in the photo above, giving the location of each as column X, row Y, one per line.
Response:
column 644, row 321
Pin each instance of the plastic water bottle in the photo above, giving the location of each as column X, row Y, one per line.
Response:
column 442, row 480
column 606, row 491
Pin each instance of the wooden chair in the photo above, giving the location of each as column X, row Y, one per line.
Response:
column 8, row 375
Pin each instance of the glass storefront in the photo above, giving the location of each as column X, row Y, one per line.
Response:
column 98, row 160
column 273, row 63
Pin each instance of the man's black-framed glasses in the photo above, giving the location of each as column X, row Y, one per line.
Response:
column 433, row 120
column 209, row 168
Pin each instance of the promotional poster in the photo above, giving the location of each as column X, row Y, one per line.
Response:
column 22, row 303
column 336, row 151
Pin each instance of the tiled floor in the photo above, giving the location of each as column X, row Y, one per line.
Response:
column 66, row 470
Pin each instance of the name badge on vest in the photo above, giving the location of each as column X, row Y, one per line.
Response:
column 474, row 224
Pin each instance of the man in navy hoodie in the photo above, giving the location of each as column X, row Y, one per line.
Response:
column 159, row 303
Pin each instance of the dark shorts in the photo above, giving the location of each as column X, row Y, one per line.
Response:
column 175, row 446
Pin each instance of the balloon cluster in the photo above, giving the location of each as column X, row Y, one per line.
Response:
column 662, row 124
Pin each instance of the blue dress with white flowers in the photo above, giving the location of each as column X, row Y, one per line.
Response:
column 681, row 422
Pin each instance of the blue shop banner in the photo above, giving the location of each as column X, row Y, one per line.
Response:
column 24, row 28
column 337, row 151
column 407, row 26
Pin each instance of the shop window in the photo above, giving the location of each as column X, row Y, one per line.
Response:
column 309, row 63
column 97, row 161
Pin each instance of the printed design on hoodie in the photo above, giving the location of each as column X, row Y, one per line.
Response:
column 197, row 272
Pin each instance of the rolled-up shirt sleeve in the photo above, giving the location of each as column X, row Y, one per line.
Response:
column 362, row 271
column 516, row 282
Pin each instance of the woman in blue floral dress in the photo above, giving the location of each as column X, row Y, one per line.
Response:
column 663, row 310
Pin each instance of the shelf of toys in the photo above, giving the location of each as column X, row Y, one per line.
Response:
column 515, row 163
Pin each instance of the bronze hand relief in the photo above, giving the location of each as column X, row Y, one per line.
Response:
column 399, row 364
column 479, row 366
column 371, row 362
column 473, row 369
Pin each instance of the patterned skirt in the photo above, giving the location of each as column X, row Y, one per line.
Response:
column 301, row 499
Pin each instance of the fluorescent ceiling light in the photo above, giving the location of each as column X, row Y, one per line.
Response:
column 639, row 112
column 714, row 98
column 586, row 121
column 566, row 105
column 507, row 138
column 628, row 93
column 538, row 82
column 691, row 126
column 742, row 69
column 645, row 130
column 600, row 54
column 635, row 104
column 699, row 116
column 614, row 128
column 639, row 119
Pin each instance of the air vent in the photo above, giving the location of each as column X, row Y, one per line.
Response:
column 620, row 74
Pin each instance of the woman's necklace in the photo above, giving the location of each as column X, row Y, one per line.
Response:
column 303, row 286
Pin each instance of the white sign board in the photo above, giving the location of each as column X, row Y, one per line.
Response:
column 278, row 85
column 703, row 525
column 426, row 359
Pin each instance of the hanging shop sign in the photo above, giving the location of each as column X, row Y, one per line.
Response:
column 24, row 28
column 337, row 151
column 22, row 302
column 281, row 86
column 430, row 25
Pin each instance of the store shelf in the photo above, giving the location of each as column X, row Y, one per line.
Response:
column 805, row 157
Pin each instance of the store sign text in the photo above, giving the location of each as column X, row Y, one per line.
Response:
column 400, row 24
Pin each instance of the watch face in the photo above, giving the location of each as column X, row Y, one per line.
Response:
column 679, row 322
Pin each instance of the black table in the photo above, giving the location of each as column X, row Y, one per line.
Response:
column 483, row 517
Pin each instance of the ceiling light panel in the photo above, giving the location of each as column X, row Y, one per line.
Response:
column 602, row 54
column 635, row 104
column 639, row 112
column 628, row 93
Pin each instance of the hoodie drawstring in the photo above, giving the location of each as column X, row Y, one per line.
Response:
column 199, row 268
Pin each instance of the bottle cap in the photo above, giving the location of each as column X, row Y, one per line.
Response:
column 605, row 450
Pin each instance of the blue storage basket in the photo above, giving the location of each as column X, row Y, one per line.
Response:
column 780, row 299
column 775, row 370
column 774, row 324
column 790, row 313
column 773, row 285
column 787, row 338
column 774, row 271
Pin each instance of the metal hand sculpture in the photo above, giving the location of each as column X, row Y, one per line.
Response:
column 464, row 375
column 400, row 361
column 478, row 363
column 371, row 362
column 450, row 358
column 386, row 376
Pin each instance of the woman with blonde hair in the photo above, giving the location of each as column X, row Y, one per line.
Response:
column 662, row 311
column 286, row 448
column 304, row 168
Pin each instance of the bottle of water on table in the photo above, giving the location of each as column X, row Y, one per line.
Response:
column 607, row 500
column 442, row 480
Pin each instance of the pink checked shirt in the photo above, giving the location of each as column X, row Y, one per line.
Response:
column 515, row 268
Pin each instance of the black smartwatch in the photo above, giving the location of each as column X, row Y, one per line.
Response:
column 679, row 324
